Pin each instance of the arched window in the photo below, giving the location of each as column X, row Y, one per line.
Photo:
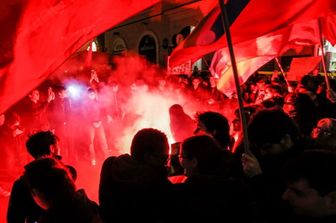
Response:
column 118, row 46
column 148, row 48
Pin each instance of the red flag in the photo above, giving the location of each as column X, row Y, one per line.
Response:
column 38, row 35
column 246, row 68
column 251, row 55
column 328, row 26
column 301, row 66
column 257, row 18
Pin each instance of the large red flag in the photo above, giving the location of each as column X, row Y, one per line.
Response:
column 39, row 35
column 250, row 20
column 328, row 26
column 251, row 55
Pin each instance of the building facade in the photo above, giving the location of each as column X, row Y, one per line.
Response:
column 155, row 32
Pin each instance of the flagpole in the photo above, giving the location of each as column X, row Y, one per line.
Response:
column 282, row 71
column 323, row 56
column 226, row 27
column 88, row 58
column 205, row 61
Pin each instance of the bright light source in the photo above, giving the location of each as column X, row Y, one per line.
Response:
column 93, row 47
column 74, row 91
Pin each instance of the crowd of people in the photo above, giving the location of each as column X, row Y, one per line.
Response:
column 96, row 110
column 285, row 178
column 286, row 175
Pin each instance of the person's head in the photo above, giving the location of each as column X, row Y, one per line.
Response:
column 92, row 94
column 261, row 83
column 272, row 131
column 162, row 84
column 175, row 110
column 114, row 85
column 269, row 92
column 290, row 105
column 12, row 120
column 93, row 72
column 253, row 87
column 43, row 143
column 324, row 127
column 308, row 83
column 311, row 183
column 196, row 82
column 301, row 108
column 139, row 85
column 150, row 146
column 50, row 182
column 216, row 125
column 200, row 155
column 34, row 95
column 276, row 89
column 184, row 82
column 325, row 133
column 61, row 92
column 308, row 86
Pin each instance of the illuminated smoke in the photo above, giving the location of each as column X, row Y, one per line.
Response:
column 145, row 106
column 151, row 110
column 143, row 103
column 148, row 105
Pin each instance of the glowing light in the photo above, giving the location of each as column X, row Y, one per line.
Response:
column 151, row 108
column 75, row 91
column 93, row 47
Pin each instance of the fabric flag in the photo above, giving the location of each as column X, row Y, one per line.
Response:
column 249, row 20
column 251, row 55
column 208, row 32
column 301, row 66
column 328, row 26
column 37, row 36
column 246, row 68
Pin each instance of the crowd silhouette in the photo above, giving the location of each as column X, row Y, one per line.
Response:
column 288, row 175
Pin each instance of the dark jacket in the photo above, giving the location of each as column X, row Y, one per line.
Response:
column 79, row 209
column 22, row 208
column 265, row 190
column 210, row 199
column 130, row 190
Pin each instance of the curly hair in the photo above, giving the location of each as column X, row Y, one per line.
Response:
column 39, row 143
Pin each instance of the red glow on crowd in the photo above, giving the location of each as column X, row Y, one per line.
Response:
column 137, row 94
